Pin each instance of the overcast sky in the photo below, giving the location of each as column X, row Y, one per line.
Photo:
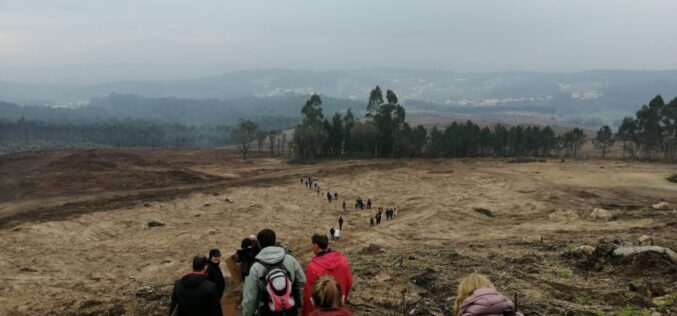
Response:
column 125, row 39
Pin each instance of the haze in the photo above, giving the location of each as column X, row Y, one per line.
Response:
column 74, row 41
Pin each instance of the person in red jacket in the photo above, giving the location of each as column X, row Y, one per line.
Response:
column 325, row 262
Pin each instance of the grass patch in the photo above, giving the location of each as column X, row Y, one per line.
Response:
column 571, row 246
column 600, row 312
column 484, row 211
column 583, row 300
column 565, row 273
column 672, row 178
column 629, row 311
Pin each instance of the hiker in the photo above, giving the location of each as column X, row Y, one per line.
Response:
column 326, row 298
column 395, row 212
column 326, row 262
column 318, row 190
column 301, row 180
column 477, row 296
column 331, row 233
column 368, row 203
column 378, row 218
column 371, row 222
column 329, row 196
column 214, row 273
column 337, row 234
column 336, row 195
column 194, row 295
column 340, row 221
column 272, row 265
column 344, row 205
column 246, row 255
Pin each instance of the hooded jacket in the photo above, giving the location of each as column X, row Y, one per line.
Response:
column 331, row 312
column 332, row 263
column 194, row 295
column 215, row 275
column 254, row 284
column 486, row 302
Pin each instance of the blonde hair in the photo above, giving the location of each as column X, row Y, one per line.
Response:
column 467, row 286
column 327, row 293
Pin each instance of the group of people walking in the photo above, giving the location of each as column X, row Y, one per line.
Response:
column 274, row 279
column 273, row 284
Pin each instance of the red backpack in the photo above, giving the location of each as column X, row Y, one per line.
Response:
column 278, row 292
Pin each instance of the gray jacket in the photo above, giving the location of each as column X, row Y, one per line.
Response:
column 254, row 285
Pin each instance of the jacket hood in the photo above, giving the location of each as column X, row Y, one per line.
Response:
column 193, row 280
column 271, row 255
column 329, row 261
column 486, row 301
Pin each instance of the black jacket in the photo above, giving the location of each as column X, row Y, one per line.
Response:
column 194, row 295
column 215, row 275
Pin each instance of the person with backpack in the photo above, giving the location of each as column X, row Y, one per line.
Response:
column 214, row 272
column 340, row 221
column 329, row 196
column 477, row 296
column 327, row 262
column 331, row 232
column 275, row 281
column 194, row 294
column 337, row 234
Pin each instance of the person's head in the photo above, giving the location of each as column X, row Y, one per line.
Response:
column 266, row 238
column 467, row 285
column 200, row 263
column 215, row 256
column 327, row 293
column 320, row 243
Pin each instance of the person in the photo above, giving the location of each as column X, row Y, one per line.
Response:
column 344, row 205
column 318, row 190
column 395, row 212
column 331, row 232
column 301, row 180
column 477, row 296
column 329, row 196
column 193, row 294
column 326, row 297
column 336, row 195
column 371, row 222
column 269, row 259
column 368, row 203
column 246, row 255
column 378, row 218
column 326, row 262
column 337, row 234
column 214, row 272
column 340, row 221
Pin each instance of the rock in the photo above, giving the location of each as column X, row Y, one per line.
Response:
column 661, row 206
column 228, row 200
column 601, row 214
column 484, row 211
column 372, row 249
column 645, row 240
column 664, row 300
column 587, row 249
column 145, row 291
column 534, row 239
column 154, row 223
column 147, row 204
column 211, row 231
column 207, row 205
column 631, row 251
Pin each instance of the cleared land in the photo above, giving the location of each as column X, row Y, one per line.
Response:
column 75, row 241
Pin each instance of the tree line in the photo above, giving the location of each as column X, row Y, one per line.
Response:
column 384, row 133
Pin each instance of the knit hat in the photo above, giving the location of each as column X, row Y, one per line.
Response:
column 214, row 253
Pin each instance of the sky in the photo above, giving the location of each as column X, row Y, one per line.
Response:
column 87, row 41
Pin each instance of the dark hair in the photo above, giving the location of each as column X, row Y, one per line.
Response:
column 246, row 243
column 321, row 240
column 199, row 263
column 266, row 238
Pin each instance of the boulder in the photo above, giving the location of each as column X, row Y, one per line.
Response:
column 632, row 251
column 601, row 214
column 661, row 206
column 155, row 223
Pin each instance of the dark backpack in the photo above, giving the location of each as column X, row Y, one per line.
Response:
column 278, row 296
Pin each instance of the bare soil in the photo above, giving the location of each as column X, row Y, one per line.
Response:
column 75, row 239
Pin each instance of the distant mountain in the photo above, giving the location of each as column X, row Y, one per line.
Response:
column 604, row 94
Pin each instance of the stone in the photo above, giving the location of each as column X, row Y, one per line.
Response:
column 661, row 206
column 601, row 214
column 155, row 223
column 645, row 240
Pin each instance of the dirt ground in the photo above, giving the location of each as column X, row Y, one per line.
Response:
column 75, row 240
